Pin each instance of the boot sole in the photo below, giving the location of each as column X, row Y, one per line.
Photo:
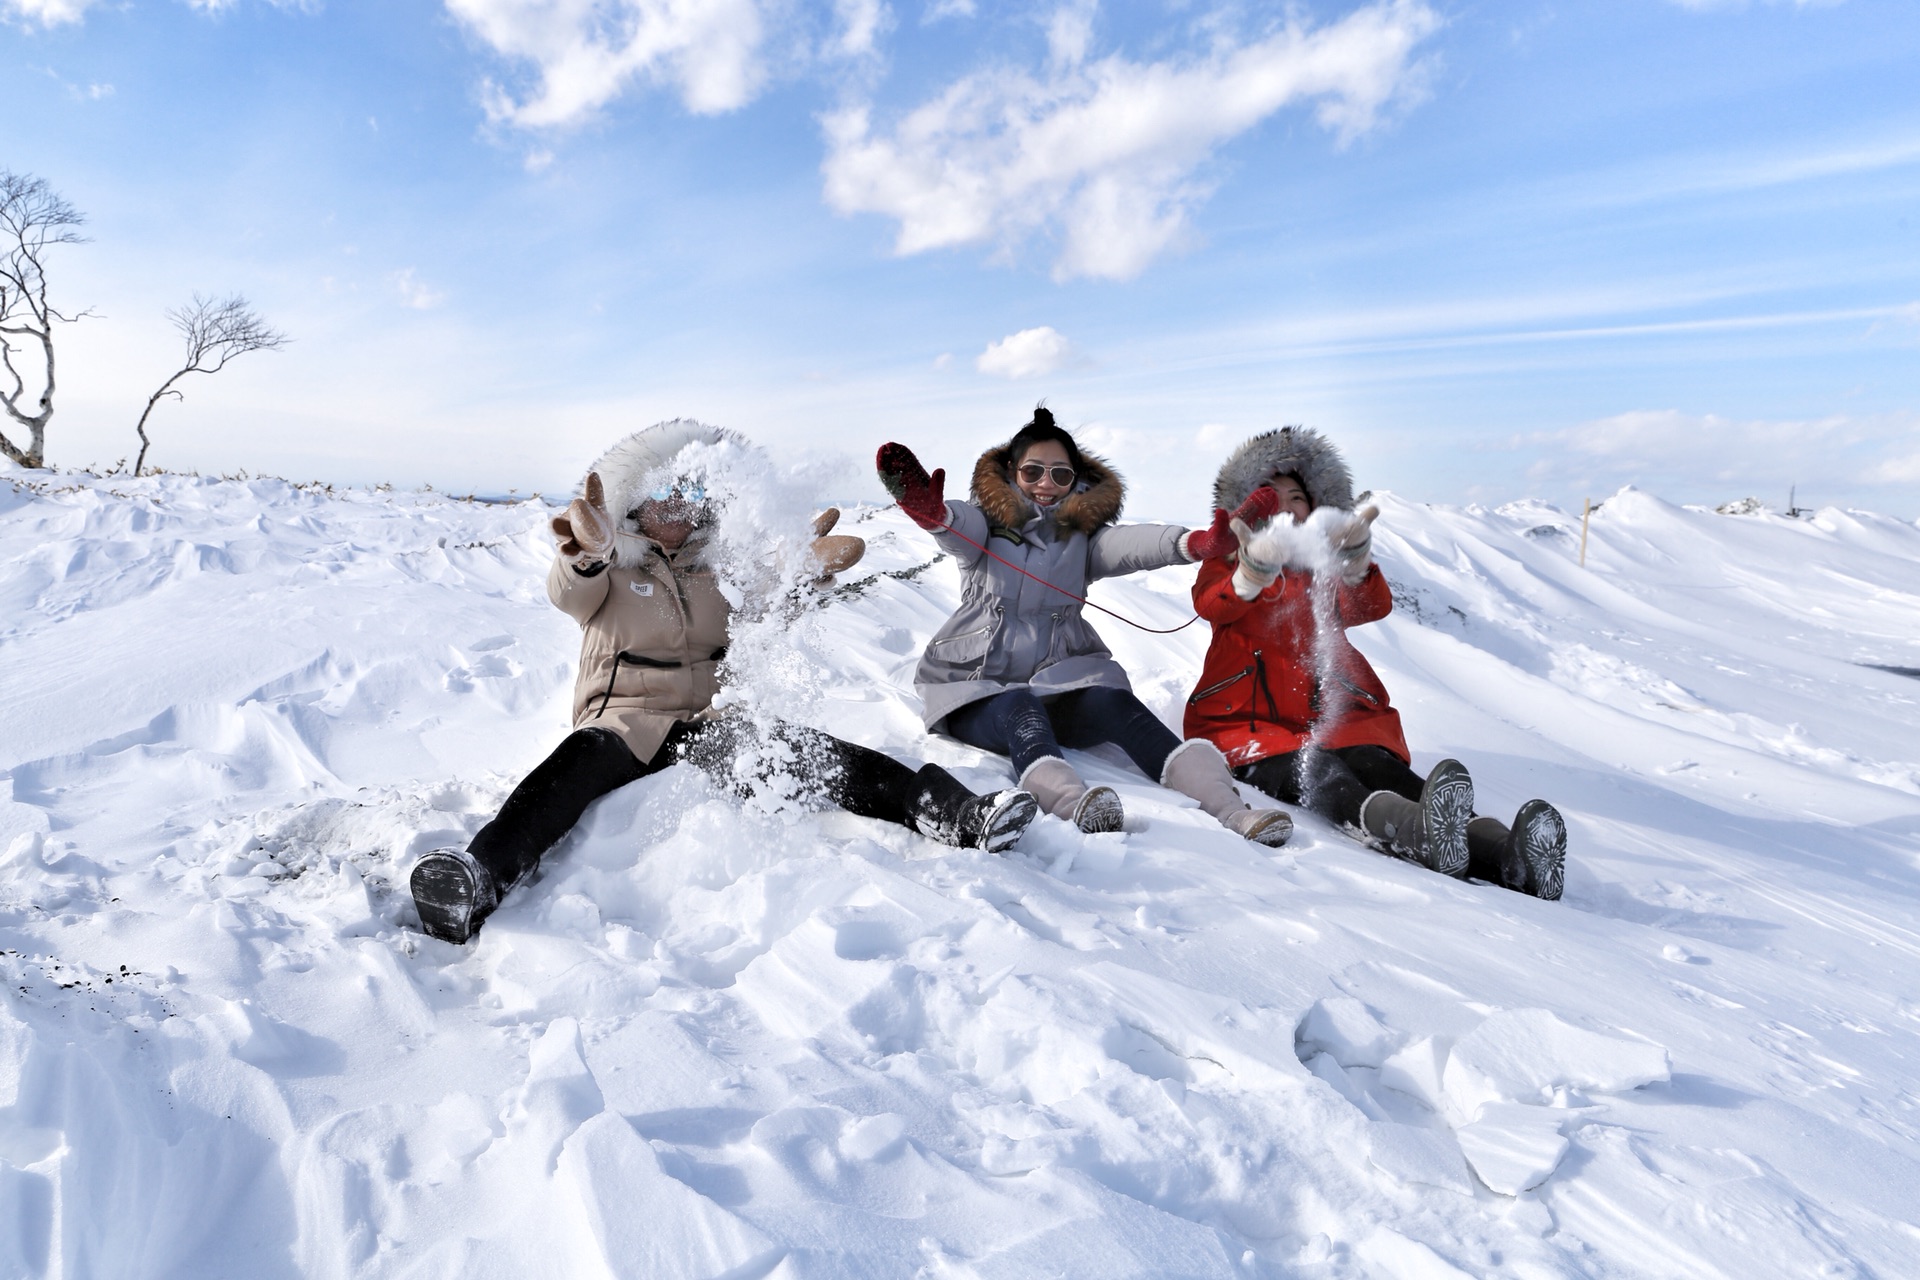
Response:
column 1099, row 810
column 1540, row 836
column 1008, row 820
column 1446, row 806
column 444, row 894
column 1272, row 829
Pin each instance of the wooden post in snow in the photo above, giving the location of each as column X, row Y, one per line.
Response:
column 1586, row 514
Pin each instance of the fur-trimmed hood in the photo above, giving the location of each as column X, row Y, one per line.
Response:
column 631, row 467
column 626, row 468
column 1299, row 450
column 1095, row 501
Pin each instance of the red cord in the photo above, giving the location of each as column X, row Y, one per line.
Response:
column 1157, row 631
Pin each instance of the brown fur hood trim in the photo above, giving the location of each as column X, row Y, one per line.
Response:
column 1095, row 501
column 1300, row 450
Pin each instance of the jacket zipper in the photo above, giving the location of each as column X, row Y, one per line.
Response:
column 1212, row 689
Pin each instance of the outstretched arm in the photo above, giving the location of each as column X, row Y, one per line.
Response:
column 958, row 527
column 577, row 583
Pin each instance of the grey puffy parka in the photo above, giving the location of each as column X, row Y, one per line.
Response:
column 1011, row 632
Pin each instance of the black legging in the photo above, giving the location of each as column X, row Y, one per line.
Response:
column 589, row 763
column 1332, row 783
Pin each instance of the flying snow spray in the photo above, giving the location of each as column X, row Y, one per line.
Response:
column 756, row 537
column 1312, row 547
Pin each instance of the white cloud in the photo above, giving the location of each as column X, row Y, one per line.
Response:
column 586, row 52
column 1107, row 150
column 938, row 9
column 1702, row 6
column 1716, row 457
column 414, row 292
column 48, row 13
column 1898, row 470
column 1026, row 354
column 861, row 23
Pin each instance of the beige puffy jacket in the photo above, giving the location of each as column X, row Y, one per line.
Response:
column 653, row 638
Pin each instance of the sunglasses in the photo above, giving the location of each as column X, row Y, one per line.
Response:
column 1062, row 474
column 683, row 492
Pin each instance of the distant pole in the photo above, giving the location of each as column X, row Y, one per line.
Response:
column 1586, row 514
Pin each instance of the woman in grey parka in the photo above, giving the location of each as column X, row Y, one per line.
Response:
column 1018, row 670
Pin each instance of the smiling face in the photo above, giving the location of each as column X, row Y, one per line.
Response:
column 1294, row 501
column 1045, row 490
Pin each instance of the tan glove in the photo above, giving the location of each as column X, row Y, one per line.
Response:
column 585, row 531
column 1251, row 575
column 1353, row 545
column 834, row 553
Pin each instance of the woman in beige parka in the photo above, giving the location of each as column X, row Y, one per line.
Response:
column 653, row 634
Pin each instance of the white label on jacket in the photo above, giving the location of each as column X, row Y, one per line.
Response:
column 641, row 588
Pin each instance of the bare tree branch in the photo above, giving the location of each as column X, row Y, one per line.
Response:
column 216, row 331
column 32, row 220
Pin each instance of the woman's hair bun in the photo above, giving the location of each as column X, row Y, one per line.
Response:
column 1042, row 416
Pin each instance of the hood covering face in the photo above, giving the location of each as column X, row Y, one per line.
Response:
column 1095, row 501
column 1300, row 450
column 627, row 468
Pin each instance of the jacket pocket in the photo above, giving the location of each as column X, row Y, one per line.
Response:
column 964, row 649
column 1219, row 686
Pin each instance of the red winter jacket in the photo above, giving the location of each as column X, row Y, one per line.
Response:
column 1257, row 695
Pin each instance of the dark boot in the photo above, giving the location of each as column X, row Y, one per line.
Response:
column 940, row 808
column 453, row 893
column 1540, row 838
column 1432, row 832
column 1529, row 857
column 1492, row 857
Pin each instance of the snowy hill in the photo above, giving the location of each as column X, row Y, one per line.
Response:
column 710, row 1041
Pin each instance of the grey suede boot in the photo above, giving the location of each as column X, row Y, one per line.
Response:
column 1529, row 857
column 453, row 893
column 1432, row 832
column 1061, row 793
column 1196, row 769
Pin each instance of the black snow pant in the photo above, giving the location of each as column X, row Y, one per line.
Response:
column 1334, row 783
column 589, row 763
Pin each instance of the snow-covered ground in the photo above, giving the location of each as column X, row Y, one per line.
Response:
column 716, row 1042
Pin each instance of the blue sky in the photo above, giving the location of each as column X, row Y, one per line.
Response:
column 1495, row 250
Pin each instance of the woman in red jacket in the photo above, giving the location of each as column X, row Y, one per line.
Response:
column 1300, row 713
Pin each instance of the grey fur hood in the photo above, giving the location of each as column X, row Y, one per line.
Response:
column 1299, row 450
column 631, row 467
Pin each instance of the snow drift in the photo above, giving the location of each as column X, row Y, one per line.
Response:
column 716, row 1041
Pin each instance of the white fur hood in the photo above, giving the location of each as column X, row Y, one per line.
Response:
column 633, row 466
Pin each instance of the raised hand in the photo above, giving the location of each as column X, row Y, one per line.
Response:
column 921, row 496
column 1352, row 542
column 1254, row 573
column 1219, row 540
column 833, row 552
column 585, row 530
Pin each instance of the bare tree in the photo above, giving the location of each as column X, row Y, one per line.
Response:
column 216, row 331
column 32, row 220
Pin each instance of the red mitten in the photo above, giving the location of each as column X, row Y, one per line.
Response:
column 1219, row 540
column 920, row 495
column 1261, row 506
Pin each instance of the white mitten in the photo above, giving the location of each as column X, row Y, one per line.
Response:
column 1253, row 573
column 1352, row 543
